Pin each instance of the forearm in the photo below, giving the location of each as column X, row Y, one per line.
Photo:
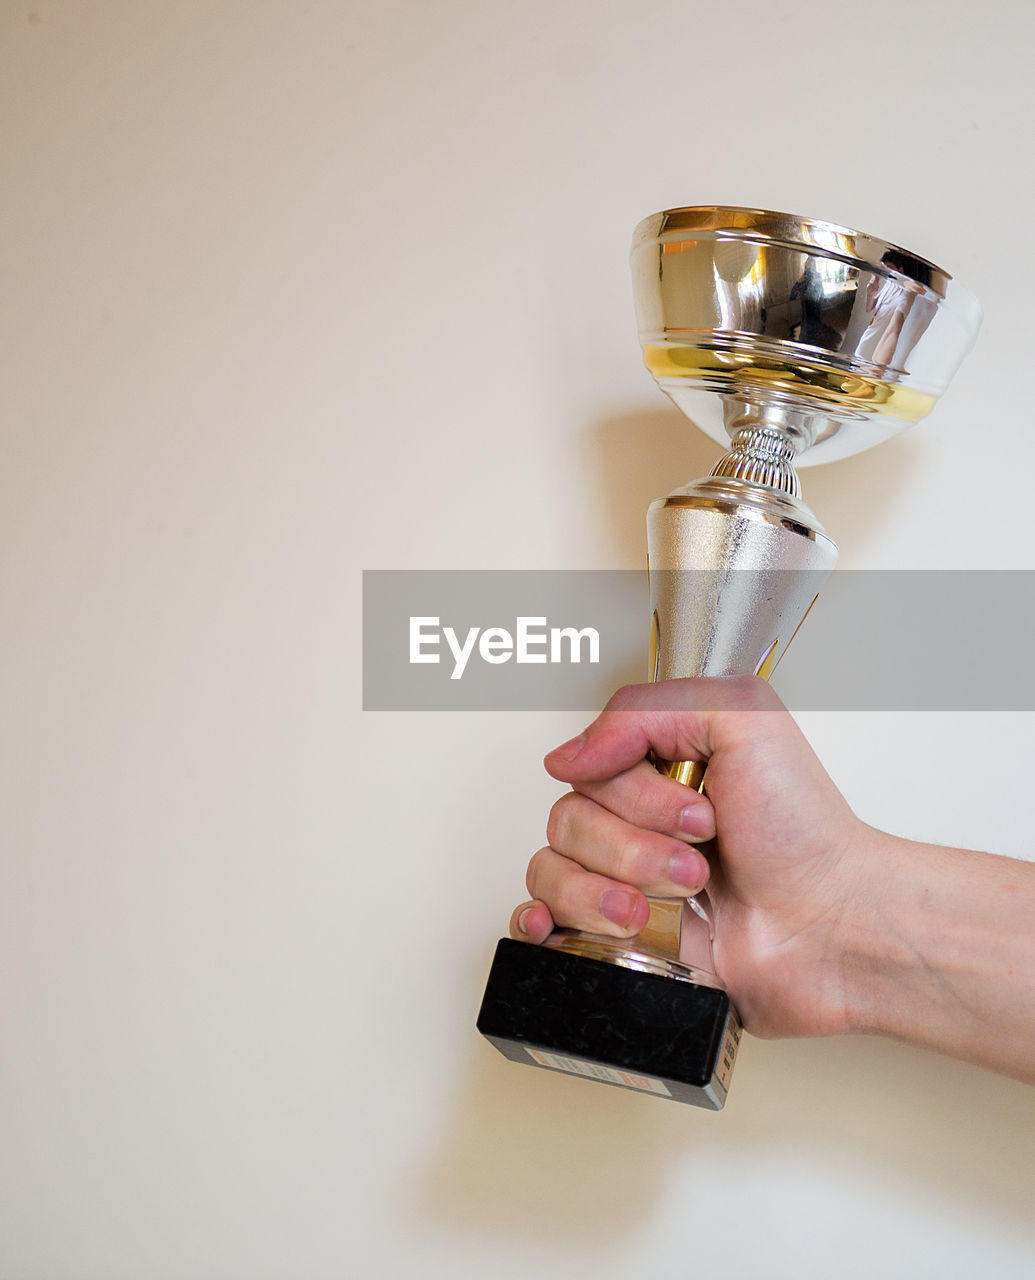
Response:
column 943, row 955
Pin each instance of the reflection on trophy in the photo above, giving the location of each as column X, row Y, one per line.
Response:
column 780, row 337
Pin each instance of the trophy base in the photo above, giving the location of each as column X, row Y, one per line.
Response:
column 550, row 1008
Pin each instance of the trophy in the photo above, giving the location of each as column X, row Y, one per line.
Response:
column 780, row 337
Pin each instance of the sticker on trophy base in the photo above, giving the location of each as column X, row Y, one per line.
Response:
column 576, row 1067
column 730, row 1045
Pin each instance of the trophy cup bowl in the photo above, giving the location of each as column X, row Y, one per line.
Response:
column 781, row 337
column 854, row 338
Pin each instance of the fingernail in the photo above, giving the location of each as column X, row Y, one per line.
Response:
column 618, row 906
column 684, row 868
column 696, row 820
column 522, row 918
column 570, row 749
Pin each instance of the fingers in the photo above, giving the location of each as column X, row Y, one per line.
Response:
column 531, row 922
column 675, row 718
column 645, row 798
column 625, row 830
column 596, row 871
column 600, row 842
column 581, row 899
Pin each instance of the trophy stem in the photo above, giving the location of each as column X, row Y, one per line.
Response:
column 768, row 433
column 761, row 456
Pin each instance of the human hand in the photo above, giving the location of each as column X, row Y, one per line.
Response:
column 785, row 861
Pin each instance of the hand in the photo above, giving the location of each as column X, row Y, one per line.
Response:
column 822, row 923
column 785, row 863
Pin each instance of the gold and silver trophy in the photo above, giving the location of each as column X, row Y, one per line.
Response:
column 780, row 337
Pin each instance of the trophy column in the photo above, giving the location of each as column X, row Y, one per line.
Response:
column 781, row 336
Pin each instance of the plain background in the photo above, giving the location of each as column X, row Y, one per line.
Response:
column 290, row 290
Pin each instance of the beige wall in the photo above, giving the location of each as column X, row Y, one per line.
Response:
column 296, row 289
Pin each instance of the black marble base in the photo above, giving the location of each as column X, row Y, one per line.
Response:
column 554, row 1009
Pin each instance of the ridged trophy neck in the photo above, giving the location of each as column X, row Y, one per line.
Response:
column 764, row 456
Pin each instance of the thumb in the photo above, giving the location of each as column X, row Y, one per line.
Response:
column 676, row 719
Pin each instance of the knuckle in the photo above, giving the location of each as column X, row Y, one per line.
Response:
column 535, row 866
column 570, row 900
column 624, row 698
column 564, row 903
column 643, row 807
column 631, row 858
column 558, row 824
column 753, row 693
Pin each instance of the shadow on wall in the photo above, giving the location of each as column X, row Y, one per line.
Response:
column 634, row 458
column 573, row 1160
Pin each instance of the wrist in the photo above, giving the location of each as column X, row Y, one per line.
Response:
column 879, row 942
column 937, row 951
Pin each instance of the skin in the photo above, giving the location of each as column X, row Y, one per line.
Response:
column 824, row 925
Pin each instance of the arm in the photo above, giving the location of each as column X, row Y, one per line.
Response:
column 824, row 925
